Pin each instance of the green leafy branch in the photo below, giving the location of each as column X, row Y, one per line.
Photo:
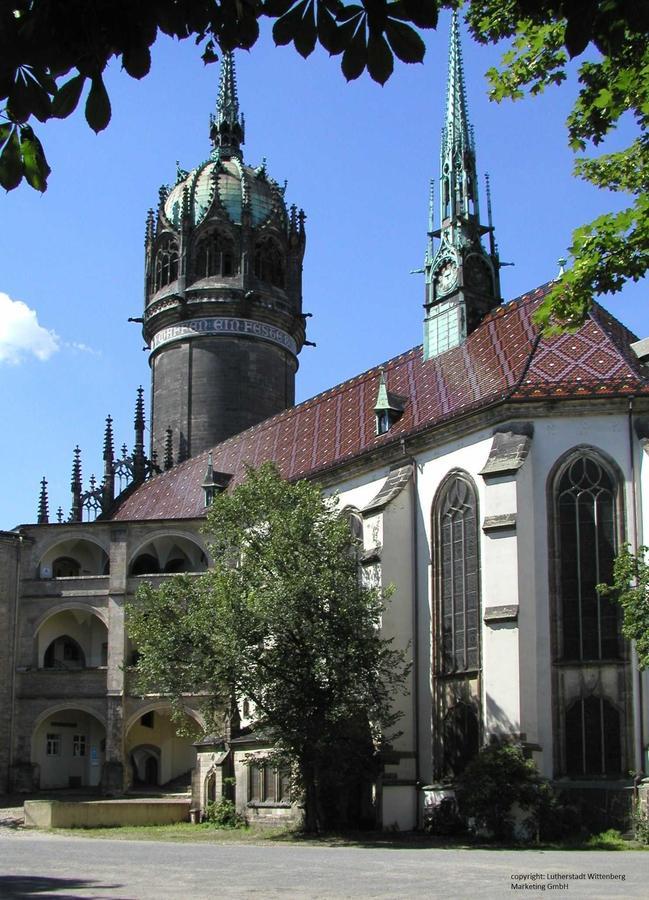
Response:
column 630, row 588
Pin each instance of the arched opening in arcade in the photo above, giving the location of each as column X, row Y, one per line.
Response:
column 68, row 747
column 74, row 558
column 71, row 639
column 157, row 754
column 167, row 555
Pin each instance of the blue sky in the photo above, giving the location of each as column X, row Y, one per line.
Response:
column 358, row 158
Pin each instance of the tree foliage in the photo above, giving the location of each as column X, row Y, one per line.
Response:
column 494, row 782
column 630, row 588
column 284, row 620
column 614, row 81
column 54, row 52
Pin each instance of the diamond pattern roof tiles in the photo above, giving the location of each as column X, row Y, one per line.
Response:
column 503, row 359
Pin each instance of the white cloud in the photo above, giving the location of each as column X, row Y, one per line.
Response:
column 82, row 348
column 21, row 335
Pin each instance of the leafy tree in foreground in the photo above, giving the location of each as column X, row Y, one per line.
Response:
column 630, row 588
column 282, row 619
column 51, row 51
column 614, row 248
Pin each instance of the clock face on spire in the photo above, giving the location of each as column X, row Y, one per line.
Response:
column 446, row 277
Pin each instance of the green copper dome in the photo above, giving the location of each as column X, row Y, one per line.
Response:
column 230, row 185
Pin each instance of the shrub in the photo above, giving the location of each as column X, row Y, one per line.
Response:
column 557, row 819
column 641, row 825
column 497, row 781
column 223, row 814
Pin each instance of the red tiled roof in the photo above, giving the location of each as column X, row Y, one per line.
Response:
column 502, row 359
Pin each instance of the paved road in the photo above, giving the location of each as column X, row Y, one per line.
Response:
column 46, row 866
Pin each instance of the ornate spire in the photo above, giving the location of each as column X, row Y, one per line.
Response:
column 43, row 507
column 139, row 460
column 108, row 484
column 227, row 127
column 459, row 197
column 76, row 486
column 462, row 282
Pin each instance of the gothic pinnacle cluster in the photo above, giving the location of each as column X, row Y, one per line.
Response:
column 119, row 473
column 462, row 278
column 223, row 300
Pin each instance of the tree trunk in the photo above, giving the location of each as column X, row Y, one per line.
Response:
column 311, row 817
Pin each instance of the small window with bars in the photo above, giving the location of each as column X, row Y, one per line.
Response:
column 79, row 745
column 53, row 745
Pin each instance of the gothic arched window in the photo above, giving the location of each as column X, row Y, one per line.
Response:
column 458, row 577
column 461, row 737
column 593, row 738
column 269, row 263
column 166, row 265
column 214, row 256
column 586, row 543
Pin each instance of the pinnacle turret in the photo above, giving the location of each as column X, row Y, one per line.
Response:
column 76, row 486
column 43, row 504
column 139, row 459
column 227, row 127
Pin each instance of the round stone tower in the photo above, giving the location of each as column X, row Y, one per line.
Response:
column 223, row 298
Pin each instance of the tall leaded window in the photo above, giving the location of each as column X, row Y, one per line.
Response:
column 460, row 737
column 593, row 738
column 587, row 538
column 214, row 256
column 459, row 577
column 269, row 263
column 166, row 265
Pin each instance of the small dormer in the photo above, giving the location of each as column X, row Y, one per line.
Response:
column 214, row 482
column 388, row 408
column 641, row 350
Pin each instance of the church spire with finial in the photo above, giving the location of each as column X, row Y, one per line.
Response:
column 462, row 278
column 43, row 504
column 227, row 127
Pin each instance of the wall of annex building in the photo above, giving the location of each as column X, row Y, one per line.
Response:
column 87, row 608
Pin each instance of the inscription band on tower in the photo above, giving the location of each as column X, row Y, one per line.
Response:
column 227, row 326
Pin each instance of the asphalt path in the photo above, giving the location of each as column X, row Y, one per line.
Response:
column 40, row 866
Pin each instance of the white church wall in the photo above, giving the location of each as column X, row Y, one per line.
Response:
column 359, row 490
column 553, row 439
column 399, row 808
column 533, row 622
column 398, row 623
column 500, row 638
